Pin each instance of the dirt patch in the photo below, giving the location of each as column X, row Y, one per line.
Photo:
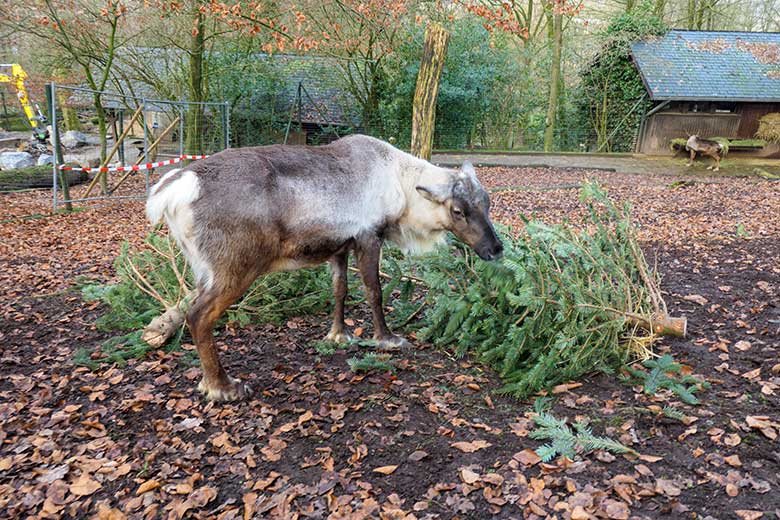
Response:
column 74, row 442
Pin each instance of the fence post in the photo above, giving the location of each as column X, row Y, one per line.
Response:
column 146, row 144
column 226, row 123
column 57, row 174
column 120, row 129
column 181, row 131
column 53, row 137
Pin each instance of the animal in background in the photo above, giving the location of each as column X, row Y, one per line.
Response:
column 249, row 211
column 707, row 148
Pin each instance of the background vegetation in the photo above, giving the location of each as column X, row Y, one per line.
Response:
column 520, row 74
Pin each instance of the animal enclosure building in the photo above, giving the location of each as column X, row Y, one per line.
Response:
column 710, row 83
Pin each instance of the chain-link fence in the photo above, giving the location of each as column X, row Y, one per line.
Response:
column 103, row 145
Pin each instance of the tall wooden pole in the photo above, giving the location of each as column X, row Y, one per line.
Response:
column 424, row 109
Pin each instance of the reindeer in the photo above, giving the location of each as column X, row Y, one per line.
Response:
column 245, row 212
column 705, row 147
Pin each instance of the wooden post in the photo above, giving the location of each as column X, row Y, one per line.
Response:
column 424, row 109
column 110, row 155
column 151, row 149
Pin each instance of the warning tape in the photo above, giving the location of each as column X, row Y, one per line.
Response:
column 135, row 167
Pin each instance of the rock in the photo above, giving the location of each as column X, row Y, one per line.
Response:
column 88, row 159
column 45, row 158
column 73, row 139
column 14, row 160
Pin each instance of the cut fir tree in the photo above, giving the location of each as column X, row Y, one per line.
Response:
column 563, row 303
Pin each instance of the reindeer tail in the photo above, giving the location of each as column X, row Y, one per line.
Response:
column 174, row 190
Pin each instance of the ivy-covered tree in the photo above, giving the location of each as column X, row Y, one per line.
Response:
column 613, row 97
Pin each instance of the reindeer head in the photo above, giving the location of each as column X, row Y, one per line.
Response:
column 468, row 211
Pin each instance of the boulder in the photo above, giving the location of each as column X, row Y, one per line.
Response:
column 14, row 160
column 73, row 139
column 45, row 158
column 89, row 157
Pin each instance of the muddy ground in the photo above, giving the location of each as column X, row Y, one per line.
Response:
column 318, row 441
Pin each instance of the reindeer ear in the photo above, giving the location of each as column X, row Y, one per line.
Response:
column 435, row 192
column 468, row 169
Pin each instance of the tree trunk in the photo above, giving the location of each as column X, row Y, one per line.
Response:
column 424, row 108
column 69, row 115
column 555, row 78
column 660, row 7
column 101, row 117
column 194, row 126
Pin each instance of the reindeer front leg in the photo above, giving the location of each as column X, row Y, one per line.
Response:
column 368, row 263
column 338, row 331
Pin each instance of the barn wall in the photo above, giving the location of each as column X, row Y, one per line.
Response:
column 662, row 127
column 665, row 126
column 751, row 113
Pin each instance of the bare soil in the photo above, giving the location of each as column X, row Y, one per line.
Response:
column 138, row 441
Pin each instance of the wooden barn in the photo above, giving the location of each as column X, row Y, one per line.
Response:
column 710, row 83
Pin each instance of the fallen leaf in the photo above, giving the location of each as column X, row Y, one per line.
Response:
column 527, row 457
column 616, row 510
column 471, row 447
column 418, row 455
column 667, row 487
column 748, row 514
column 579, row 513
column 84, row 485
column 468, row 476
column 385, row 470
column 149, row 485
column 696, row 298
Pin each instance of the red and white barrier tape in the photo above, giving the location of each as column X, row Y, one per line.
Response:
column 135, row 167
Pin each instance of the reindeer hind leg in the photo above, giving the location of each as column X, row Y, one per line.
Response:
column 210, row 304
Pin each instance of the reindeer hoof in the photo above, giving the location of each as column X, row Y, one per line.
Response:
column 233, row 391
column 339, row 337
column 709, row 167
column 393, row 343
column 716, row 169
column 688, row 164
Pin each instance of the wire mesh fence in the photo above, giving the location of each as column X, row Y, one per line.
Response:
column 113, row 146
column 103, row 145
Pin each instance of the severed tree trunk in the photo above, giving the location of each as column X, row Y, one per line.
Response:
column 424, row 109
column 160, row 329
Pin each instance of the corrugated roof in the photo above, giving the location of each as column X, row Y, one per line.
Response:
column 711, row 65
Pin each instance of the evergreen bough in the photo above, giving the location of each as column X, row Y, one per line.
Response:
column 563, row 303
column 664, row 373
column 568, row 443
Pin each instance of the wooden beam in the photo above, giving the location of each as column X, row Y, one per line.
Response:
column 114, row 148
column 152, row 147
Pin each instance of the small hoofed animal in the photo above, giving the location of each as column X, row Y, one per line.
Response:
column 706, row 147
column 245, row 212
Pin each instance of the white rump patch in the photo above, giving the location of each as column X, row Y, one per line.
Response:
column 174, row 203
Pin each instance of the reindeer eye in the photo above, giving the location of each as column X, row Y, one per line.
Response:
column 457, row 212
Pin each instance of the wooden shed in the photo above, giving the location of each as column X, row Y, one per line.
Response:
column 710, row 83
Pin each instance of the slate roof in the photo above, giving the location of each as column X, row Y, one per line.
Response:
column 711, row 66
